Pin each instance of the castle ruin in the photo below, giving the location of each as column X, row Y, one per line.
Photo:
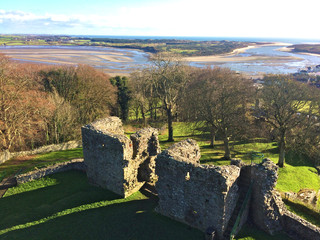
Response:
column 215, row 199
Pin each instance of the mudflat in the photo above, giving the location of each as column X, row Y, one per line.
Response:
column 112, row 61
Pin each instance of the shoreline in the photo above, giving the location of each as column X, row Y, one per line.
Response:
column 288, row 49
column 116, row 61
column 232, row 57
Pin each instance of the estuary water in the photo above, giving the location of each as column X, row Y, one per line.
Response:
column 111, row 60
column 265, row 59
column 254, row 61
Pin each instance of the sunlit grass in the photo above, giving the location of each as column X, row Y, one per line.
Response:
column 297, row 174
column 250, row 232
column 294, row 178
column 33, row 185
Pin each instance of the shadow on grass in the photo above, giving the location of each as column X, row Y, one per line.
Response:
column 303, row 211
column 296, row 159
column 72, row 209
column 271, row 150
column 71, row 190
column 207, row 146
column 128, row 220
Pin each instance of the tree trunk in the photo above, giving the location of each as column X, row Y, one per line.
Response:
column 282, row 150
column 56, row 132
column 151, row 113
column 137, row 113
column 170, row 127
column 212, row 137
column 143, row 116
column 227, row 154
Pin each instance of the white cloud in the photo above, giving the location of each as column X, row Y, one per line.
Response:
column 184, row 17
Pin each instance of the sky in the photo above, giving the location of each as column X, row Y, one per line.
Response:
column 203, row 18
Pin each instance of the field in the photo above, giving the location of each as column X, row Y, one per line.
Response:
column 65, row 206
column 183, row 47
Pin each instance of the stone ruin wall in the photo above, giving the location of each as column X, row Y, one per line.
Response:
column 267, row 210
column 298, row 228
column 116, row 162
column 201, row 196
column 266, row 203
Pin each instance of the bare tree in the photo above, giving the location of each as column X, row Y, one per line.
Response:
column 285, row 106
column 219, row 99
column 84, row 87
column 169, row 78
column 161, row 85
column 142, row 92
column 21, row 106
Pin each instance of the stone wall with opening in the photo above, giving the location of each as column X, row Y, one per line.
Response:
column 116, row 162
column 201, row 196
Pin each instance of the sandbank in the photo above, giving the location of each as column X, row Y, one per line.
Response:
column 105, row 59
column 288, row 49
column 63, row 56
column 234, row 55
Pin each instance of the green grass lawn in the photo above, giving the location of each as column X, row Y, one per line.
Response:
column 65, row 206
column 250, row 232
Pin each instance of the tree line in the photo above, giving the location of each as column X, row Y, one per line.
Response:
column 226, row 104
column 48, row 104
column 42, row 104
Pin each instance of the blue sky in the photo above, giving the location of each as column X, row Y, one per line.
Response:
column 220, row 18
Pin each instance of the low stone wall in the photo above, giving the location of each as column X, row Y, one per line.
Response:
column 75, row 164
column 298, row 228
column 201, row 196
column 6, row 155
